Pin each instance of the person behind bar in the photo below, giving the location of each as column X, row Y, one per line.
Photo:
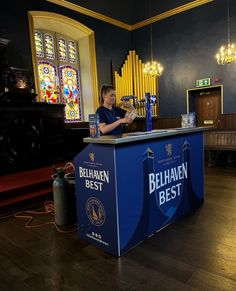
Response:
column 112, row 119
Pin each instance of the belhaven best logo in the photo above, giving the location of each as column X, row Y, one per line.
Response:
column 95, row 211
column 92, row 157
column 169, row 149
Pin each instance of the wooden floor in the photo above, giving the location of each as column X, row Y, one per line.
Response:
column 196, row 253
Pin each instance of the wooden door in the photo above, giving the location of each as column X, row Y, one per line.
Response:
column 208, row 107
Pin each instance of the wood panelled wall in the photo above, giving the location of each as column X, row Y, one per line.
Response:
column 168, row 122
column 157, row 123
column 226, row 122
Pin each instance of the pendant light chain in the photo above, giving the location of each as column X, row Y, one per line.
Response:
column 152, row 68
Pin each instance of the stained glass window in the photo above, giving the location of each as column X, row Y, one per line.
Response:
column 48, row 80
column 49, row 46
column 71, row 93
column 62, row 50
column 39, row 44
column 72, row 51
column 58, row 71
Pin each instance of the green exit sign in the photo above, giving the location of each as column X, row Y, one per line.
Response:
column 203, row 82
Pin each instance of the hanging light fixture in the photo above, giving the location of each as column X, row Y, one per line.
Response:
column 153, row 68
column 227, row 55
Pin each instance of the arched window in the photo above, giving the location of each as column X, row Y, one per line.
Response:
column 59, row 72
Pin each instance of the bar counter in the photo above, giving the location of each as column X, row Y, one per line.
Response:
column 129, row 187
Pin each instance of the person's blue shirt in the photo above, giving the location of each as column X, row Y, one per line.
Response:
column 109, row 116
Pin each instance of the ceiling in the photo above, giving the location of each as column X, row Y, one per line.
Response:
column 130, row 11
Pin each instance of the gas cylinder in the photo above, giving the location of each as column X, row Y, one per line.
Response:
column 60, row 197
column 71, row 200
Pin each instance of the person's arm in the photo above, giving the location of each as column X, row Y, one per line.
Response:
column 106, row 128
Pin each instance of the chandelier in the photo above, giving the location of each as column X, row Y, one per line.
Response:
column 152, row 68
column 227, row 55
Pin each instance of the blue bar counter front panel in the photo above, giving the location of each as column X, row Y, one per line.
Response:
column 96, row 197
column 143, row 187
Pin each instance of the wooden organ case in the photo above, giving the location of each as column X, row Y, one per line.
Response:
column 32, row 134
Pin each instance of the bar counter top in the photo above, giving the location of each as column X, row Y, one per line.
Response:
column 142, row 135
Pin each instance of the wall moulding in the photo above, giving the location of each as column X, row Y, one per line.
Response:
column 130, row 27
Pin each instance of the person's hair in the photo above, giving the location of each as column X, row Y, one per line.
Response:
column 104, row 90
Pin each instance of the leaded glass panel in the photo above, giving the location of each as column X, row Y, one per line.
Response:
column 49, row 46
column 38, row 37
column 48, row 79
column 70, row 89
column 62, row 50
column 72, row 51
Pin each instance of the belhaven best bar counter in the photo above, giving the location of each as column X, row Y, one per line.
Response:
column 131, row 186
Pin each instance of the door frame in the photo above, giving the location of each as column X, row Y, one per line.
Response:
column 188, row 95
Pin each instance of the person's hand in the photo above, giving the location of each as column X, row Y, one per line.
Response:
column 126, row 120
column 127, row 104
column 133, row 114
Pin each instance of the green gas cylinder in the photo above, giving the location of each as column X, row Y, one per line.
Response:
column 61, row 198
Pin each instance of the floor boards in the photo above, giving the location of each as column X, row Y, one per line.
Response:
column 197, row 252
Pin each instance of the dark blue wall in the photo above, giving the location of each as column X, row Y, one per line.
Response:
column 186, row 45
column 112, row 43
